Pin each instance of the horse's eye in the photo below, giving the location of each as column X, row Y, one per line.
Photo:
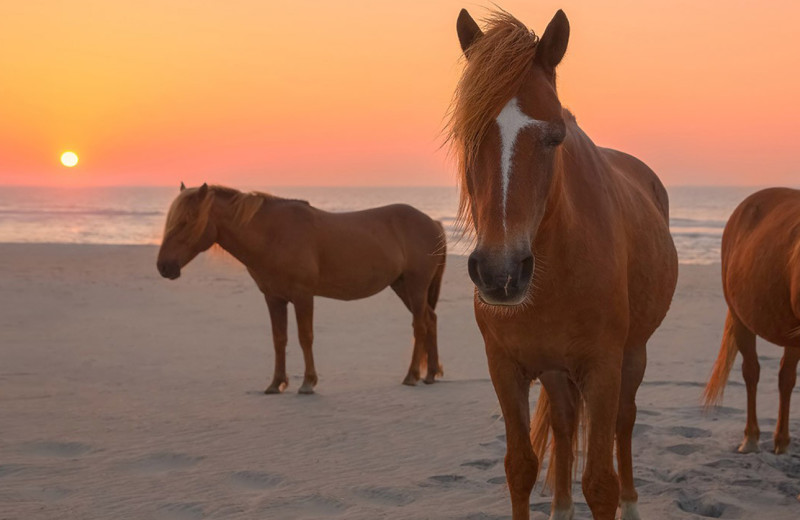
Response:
column 554, row 137
column 554, row 133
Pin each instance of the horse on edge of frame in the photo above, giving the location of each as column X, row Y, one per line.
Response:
column 761, row 282
column 294, row 252
column 574, row 266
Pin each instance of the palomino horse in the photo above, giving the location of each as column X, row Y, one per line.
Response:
column 574, row 265
column 761, row 282
column 294, row 252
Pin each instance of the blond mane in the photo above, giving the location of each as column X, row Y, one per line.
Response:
column 497, row 64
column 186, row 210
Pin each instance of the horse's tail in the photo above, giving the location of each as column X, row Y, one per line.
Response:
column 436, row 284
column 541, row 424
column 722, row 366
column 540, row 430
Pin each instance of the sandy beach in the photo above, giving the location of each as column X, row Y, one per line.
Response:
column 126, row 396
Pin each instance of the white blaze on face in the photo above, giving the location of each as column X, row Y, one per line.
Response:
column 511, row 121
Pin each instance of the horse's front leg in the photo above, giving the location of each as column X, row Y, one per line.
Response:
column 787, row 377
column 512, row 387
column 304, row 311
column 601, row 389
column 278, row 318
column 633, row 367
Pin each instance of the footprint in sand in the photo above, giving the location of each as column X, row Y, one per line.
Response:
column 386, row 496
column 448, row 479
column 497, row 480
column 739, row 462
column 307, row 506
column 706, row 507
column 690, row 432
column 162, row 462
column 57, row 449
column 180, row 511
column 684, row 449
column 481, row 463
column 255, row 480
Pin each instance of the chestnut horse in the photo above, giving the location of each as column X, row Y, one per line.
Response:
column 294, row 252
column 574, row 265
column 761, row 282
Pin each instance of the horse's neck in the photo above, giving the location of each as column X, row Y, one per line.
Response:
column 232, row 236
column 574, row 178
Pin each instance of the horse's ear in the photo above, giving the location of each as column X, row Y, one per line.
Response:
column 202, row 190
column 468, row 31
column 183, row 186
column 553, row 44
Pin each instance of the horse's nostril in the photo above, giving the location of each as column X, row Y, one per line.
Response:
column 526, row 268
column 472, row 268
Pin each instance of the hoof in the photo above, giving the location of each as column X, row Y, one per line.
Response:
column 306, row 390
column 429, row 380
column 749, row 446
column 629, row 511
column 410, row 380
column 781, row 442
column 276, row 388
column 563, row 514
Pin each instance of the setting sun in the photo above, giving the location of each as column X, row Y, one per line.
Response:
column 69, row 159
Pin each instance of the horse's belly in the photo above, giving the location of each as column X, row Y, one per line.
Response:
column 352, row 292
column 651, row 286
column 357, row 284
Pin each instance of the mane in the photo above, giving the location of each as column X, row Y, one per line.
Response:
column 186, row 210
column 497, row 64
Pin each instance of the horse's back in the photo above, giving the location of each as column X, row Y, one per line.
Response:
column 402, row 225
column 642, row 176
column 761, row 263
column 361, row 252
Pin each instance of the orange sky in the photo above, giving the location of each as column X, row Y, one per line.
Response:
column 264, row 93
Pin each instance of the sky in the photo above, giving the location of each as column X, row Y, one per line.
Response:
column 320, row 93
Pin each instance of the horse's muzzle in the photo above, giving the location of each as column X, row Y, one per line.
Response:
column 169, row 270
column 501, row 279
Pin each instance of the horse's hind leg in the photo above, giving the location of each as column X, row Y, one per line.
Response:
column 786, row 381
column 746, row 342
column 431, row 341
column 278, row 318
column 432, row 348
column 633, row 366
column 564, row 405
column 414, row 300
column 304, row 311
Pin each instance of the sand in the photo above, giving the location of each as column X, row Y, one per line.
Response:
column 123, row 395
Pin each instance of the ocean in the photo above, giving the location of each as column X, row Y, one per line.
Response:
column 135, row 215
